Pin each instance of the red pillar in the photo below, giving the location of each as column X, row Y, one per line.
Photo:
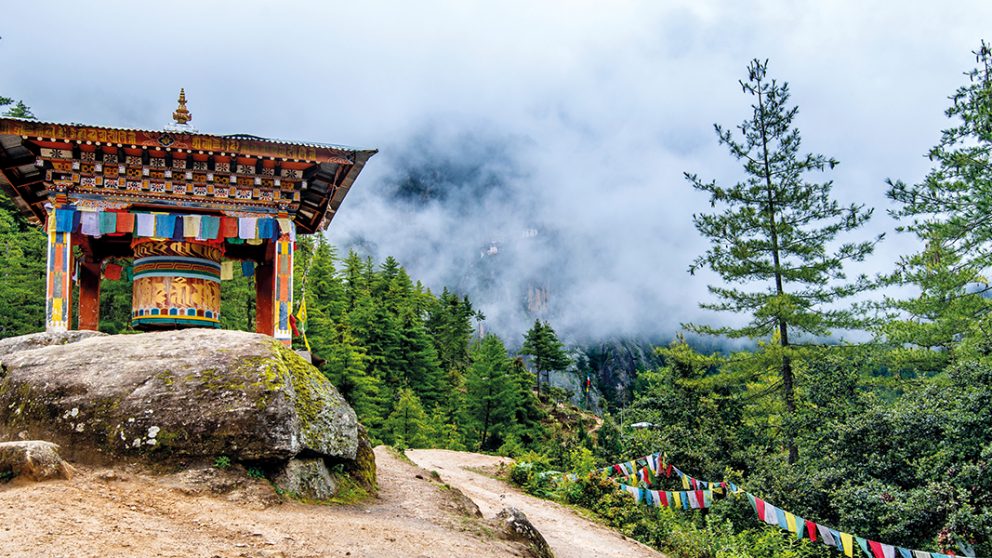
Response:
column 264, row 322
column 89, row 295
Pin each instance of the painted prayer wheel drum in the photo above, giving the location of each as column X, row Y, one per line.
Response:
column 176, row 284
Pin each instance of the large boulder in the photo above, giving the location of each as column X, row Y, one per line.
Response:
column 43, row 339
column 175, row 396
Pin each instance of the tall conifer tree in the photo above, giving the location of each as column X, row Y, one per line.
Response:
column 950, row 212
column 773, row 234
column 491, row 395
column 548, row 352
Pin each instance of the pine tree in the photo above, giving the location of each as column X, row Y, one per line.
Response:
column 407, row 425
column 527, row 415
column 548, row 353
column 449, row 322
column 22, row 274
column 490, row 394
column 19, row 110
column 776, row 227
column 949, row 212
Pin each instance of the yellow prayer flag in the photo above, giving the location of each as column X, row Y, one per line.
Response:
column 790, row 520
column 685, row 482
column 226, row 270
column 848, row 542
column 301, row 314
column 301, row 321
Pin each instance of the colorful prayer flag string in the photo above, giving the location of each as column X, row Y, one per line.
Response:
column 698, row 494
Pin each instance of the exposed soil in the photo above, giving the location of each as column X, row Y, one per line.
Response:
column 568, row 534
column 105, row 513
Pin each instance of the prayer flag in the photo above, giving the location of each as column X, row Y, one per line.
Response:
column 247, row 228
column 177, row 231
column 108, row 222
column 827, row 535
column 693, row 500
column 771, row 514
column 191, row 225
column 790, row 521
column 848, row 543
column 229, row 227
column 301, row 320
column 780, row 518
column 226, row 270
column 64, row 219
column 145, row 224
column 90, row 223
column 209, row 227
column 248, row 268
column 125, row 222
column 112, row 272
column 165, row 225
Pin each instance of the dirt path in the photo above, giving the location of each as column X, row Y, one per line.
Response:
column 103, row 514
column 570, row 535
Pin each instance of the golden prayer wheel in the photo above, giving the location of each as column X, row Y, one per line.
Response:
column 176, row 284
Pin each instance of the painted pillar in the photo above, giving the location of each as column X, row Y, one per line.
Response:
column 263, row 294
column 282, row 303
column 58, row 293
column 176, row 284
column 89, row 295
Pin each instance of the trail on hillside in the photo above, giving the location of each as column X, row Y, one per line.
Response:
column 104, row 513
column 569, row 534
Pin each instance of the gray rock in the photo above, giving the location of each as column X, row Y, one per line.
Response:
column 173, row 396
column 43, row 339
column 33, row 459
column 516, row 526
column 307, row 478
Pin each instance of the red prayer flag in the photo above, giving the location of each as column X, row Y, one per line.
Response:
column 668, row 470
column 125, row 222
column 700, row 497
column 228, row 227
column 112, row 272
column 876, row 549
column 664, row 497
column 811, row 529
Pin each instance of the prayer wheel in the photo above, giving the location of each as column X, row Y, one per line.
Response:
column 176, row 284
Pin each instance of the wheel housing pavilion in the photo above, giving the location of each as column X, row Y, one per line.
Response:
column 178, row 202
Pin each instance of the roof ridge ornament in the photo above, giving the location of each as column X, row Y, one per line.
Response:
column 181, row 116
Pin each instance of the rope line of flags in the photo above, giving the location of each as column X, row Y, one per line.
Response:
column 699, row 494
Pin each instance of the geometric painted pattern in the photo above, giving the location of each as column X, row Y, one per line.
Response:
column 58, row 299
column 282, row 294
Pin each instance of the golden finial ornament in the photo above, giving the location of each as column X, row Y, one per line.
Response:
column 182, row 116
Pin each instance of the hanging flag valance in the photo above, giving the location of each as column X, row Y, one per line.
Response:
column 98, row 223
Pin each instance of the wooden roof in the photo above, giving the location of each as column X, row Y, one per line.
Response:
column 174, row 169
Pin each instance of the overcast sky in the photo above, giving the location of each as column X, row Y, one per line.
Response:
column 580, row 117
